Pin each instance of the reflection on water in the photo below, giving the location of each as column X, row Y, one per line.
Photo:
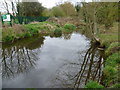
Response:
column 91, row 68
column 76, row 74
column 68, row 61
column 20, row 57
column 67, row 36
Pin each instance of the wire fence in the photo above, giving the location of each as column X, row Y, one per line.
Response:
column 23, row 19
column 28, row 19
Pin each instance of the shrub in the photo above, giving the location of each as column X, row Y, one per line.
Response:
column 8, row 38
column 32, row 28
column 93, row 84
column 58, row 32
column 27, row 35
column 70, row 26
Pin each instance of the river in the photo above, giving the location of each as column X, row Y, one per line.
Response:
column 44, row 61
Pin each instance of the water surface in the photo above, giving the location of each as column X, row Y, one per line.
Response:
column 42, row 62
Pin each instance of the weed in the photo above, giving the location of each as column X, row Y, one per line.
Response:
column 93, row 84
column 110, row 71
column 70, row 26
column 112, row 48
column 117, row 85
column 9, row 38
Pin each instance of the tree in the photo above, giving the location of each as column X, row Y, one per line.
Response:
column 58, row 11
column 107, row 14
column 31, row 8
column 95, row 13
column 78, row 6
column 47, row 12
column 68, row 9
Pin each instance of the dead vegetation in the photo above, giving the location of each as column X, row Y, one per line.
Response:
column 67, row 20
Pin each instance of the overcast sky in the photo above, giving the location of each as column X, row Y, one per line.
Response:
column 51, row 3
column 45, row 3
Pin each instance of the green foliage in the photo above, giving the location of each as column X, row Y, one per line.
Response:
column 70, row 26
column 113, row 60
column 110, row 71
column 27, row 35
column 58, row 32
column 107, row 39
column 57, row 11
column 8, row 38
column 106, row 13
column 47, row 12
column 28, row 30
column 65, row 9
column 68, row 9
column 93, row 84
column 32, row 28
column 111, row 48
column 117, row 85
column 30, row 8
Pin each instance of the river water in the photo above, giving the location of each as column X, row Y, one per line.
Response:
column 44, row 61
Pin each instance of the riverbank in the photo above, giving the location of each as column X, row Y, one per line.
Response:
column 109, row 39
column 111, row 70
column 11, row 34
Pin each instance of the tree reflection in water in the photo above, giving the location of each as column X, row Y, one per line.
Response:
column 20, row 57
column 76, row 74
column 67, row 36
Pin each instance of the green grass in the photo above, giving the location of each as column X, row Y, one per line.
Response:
column 107, row 39
column 93, row 84
column 58, row 32
column 117, row 85
column 29, row 30
column 70, row 26
column 21, row 31
column 110, row 71
column 112, row 48
column 113, row 60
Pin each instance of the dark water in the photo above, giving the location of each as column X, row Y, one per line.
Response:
column 40, row 62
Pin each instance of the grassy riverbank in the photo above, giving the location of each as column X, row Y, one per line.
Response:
column 109, row 38
column 111, row 70
column 10, row 34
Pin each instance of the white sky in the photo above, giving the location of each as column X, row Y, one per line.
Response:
column 51, row 3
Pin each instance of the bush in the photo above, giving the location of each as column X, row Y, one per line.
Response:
column 70, row 26
column 58, row 32
column 32, row 28
column 93, row 84
column 27, row 35
column 9, row 38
